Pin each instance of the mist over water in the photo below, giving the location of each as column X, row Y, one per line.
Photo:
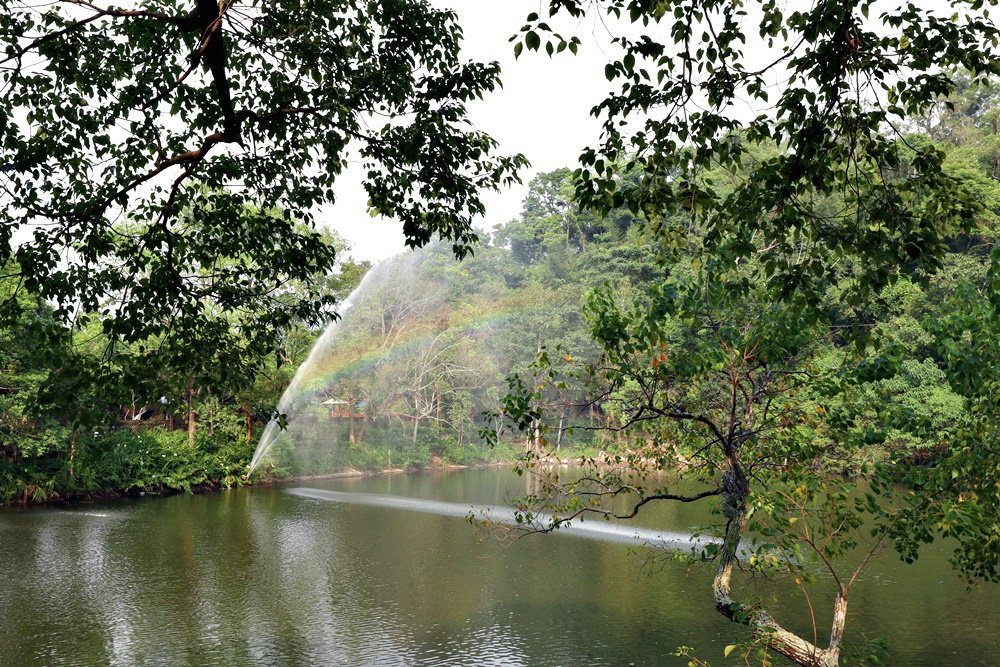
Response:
column 422, row 347
column 306, row 385
column 503, row 515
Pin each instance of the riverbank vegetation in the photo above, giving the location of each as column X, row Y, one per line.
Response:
column 784, row 303
column 78, row 420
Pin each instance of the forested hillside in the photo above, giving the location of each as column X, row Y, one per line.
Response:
column 427, row 342
column 426, row 347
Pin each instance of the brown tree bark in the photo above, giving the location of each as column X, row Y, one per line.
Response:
column 249, row 418
column 763, row 626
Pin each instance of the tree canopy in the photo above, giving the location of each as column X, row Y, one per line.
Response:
column 159, row 156
column 784, row 233
column 829, row 87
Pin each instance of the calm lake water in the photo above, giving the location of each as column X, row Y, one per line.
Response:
column 268, row 577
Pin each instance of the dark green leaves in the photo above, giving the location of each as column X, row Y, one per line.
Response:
column 532, row 40
column 165, row 154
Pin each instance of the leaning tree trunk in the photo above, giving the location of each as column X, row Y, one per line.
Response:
column 734, row 508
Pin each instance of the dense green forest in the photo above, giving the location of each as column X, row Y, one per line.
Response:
column 80, row 416
column 427, row 344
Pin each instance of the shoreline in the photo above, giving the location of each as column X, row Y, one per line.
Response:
column 354, row 472
column 264, row 479
column 95, row 497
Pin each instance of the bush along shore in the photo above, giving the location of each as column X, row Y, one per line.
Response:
column 132, row 462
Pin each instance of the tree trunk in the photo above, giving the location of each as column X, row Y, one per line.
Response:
column 839, row 621
column 416, row 418
column 531, row 443
column 788, row 644
column 350, row 418
column 562, row 416
column 361, row 433
column 72, row 454
column 249, row 418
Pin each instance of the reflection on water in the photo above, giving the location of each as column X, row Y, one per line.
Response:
column 267, row 577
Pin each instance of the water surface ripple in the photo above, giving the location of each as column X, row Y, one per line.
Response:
column 390, row 573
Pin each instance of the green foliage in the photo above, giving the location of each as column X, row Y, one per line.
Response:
column 912, row 409
column 957, row 496
column 797, row 322
column 176, row 157
column 124, row 462
column 828, row 134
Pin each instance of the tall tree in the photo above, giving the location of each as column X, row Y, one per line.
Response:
column 239, row 114
column 816, row 191
column 832, row 84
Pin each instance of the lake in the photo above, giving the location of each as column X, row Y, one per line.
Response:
column 264, row 576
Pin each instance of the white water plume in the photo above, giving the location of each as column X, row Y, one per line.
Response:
column 295, row 396
column 422, row 351
column 499, row 514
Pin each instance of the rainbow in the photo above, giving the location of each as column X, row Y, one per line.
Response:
column 340, row 364
column 354, row 347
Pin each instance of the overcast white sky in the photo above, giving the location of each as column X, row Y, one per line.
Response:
column 542, row 111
